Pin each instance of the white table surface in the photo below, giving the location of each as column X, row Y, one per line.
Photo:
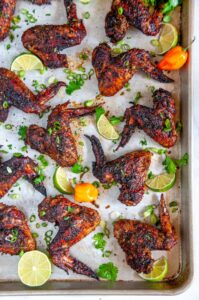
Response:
column 193, row 292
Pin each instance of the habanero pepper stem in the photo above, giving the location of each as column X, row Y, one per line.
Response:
column 175, row 58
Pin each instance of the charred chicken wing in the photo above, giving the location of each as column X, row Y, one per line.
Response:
column 158, row 122
column 57, row 140
column 46, row 40
column 113, row 72
column 13, row 169
column 75, row 222
column 129, row 171
column 14, row 92
column 138, row 239
column 15, row 235
column 132, row 12
column 7, row 8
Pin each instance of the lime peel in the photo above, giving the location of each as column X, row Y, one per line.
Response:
column 61, row 183
column 26, row 62
column 106, row 129
column 161, row 183
column 34, row 268
column 168, row 38
column 159, row 272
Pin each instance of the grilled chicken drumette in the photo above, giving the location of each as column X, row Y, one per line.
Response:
column 75, row 223
column 158, row 122
column 14, row 92
column 46, row 41
column 129, row 171
column 15, row 235
column 7, row 8
column 16, row 167
column 132, row 12
column 57, row 140
column 138, row 239
column 113, row 72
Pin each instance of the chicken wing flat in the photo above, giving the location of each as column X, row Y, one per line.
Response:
column 13, row 169
column 7, row 8
column 135, row 13
column 75, row 223
column 15, row 235
column 129, row 171
column 138, row 239
column 46, row 40
column 57, row 141
column 158, row 122
column 113, row 72
column 14, row 92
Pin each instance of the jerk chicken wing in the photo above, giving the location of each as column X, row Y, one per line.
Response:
column 158, row 122
column 16, row 167
column 57, row 140
column 129, row 171
column 138, row 239
column 46, row 40
column 15, row 235
column 7, row 8
column 14, row 92
column 75, row 222
column 113, row 72
column 134, row 12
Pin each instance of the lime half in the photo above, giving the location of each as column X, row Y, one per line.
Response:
column 159, row 272
column 61, row 183
column 34, row 268
column 106, row 129
column 161, row 183
column 26, row 62
column 168, row 38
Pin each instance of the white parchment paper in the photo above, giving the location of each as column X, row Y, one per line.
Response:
column 28, row 197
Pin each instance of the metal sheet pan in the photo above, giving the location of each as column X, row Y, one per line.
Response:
column 182, row 276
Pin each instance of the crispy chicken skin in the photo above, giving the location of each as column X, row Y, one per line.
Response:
column 135, row 13
column 129, row 171
column 153, row 120
column 75, row 222
column 16, row 167
column 138, row 239
column 113, row 72
column 57, row 140
column 15, row 235
column 7, row 8
column 46, row 41
column 14, row 92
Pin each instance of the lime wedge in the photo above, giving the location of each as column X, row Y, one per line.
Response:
column 61, row 182
column 34, row 268
column 106, row 129
column 168, row 38
column 160, row 270
column 161, row 183
column 85, row 1
column 26, row 62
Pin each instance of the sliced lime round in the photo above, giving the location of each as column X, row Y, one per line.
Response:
column 34, row 268
column 159, row 272
column 106, row 129
column 61, row 183
column 167, row 39
column 162, row 182
column 26, row 62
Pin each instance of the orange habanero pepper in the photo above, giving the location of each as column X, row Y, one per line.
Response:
column 85, row 192
column 174, row 59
